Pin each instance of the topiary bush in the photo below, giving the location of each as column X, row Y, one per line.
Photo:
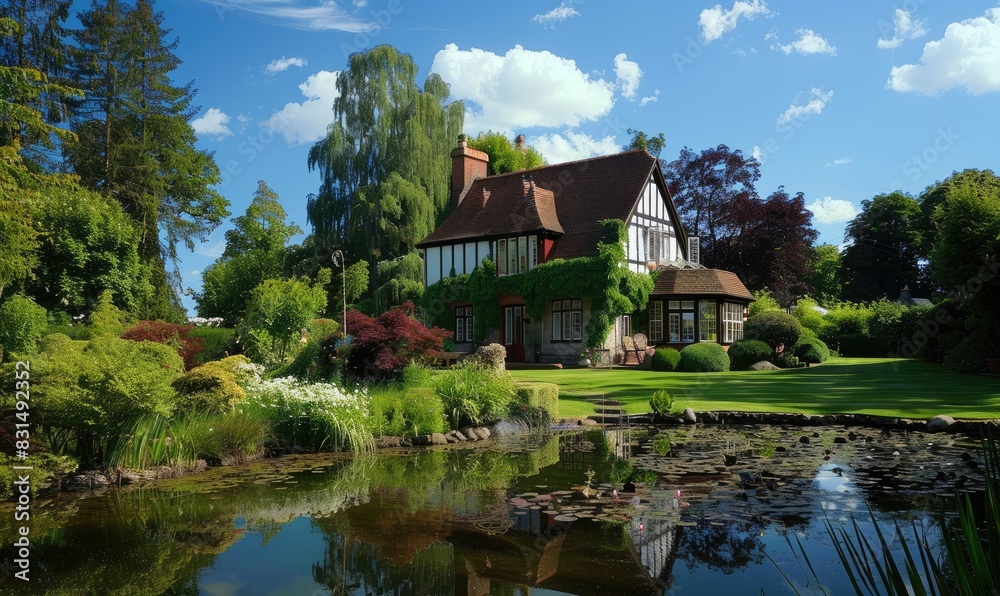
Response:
column 705, row 357
column 775, row 328
column 212, row 387
column 811, row 350
column 539, row 401
column 744, row 353
column 22, row 323
column 666, row 359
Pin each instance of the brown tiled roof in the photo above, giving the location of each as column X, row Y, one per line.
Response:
column 707, row 282
column 570, row 199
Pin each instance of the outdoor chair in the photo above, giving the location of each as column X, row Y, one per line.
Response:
column 628, row 345
column 641, row 343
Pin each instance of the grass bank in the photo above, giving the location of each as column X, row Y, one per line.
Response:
column 879, row 386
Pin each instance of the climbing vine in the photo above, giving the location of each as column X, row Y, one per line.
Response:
column 436, row 298
column 604, row 279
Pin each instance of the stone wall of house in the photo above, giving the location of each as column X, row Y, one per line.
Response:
column 565, row 352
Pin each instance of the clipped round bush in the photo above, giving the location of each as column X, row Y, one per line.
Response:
column 212, row 387
column 811, row 350
column 790, row 361
column 774, row 328
column 706, row 357
column 747, row 352
column 22, row 323
column 666, row 359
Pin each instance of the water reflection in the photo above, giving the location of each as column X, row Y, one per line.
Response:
column 534, row 515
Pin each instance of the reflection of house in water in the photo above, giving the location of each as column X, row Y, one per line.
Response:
column 656, row 543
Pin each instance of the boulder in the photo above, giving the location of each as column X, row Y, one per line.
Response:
column 470, row 433
column 939, row 423
column 764, row 365
column 456, row 437
column 689, row 416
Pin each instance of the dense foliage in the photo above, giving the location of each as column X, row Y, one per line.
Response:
column 505, row 156
column 277, row 315
column 21, row 325
column 744, row 353
column 176, row 336
column 666, row 359
column 704, row 357
column 475, row 394
column 775, row 328
column 811, row 350
column 382, row 346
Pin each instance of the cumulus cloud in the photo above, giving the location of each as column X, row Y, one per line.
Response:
column 522, row 88
column 807, row 43
column 832, row 211
column 716, row 22
column 306, row 122
column 281, row 64
column 843, row 161
column 650, row 98
column 214, row 251
column 629, row 74
column 904, row 27
column 967, row 56
column 813, row 107
column 557, row 148
column 757, row 153
column 555, row 16
column 322, row 15
column 212, row 124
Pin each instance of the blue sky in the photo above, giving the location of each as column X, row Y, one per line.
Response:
column 842, row 101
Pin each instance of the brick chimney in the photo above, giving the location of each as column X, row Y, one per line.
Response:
column 467, row 164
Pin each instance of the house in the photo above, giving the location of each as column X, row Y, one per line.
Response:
column 907, row 299
column 522, row 220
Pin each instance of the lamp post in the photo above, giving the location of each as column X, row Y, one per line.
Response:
column 339, row 256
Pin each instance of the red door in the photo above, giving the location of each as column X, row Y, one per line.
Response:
column 513, row 333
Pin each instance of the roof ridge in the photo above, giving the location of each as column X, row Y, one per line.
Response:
column 566, row 163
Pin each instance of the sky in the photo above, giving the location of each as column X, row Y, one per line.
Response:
column 842, row 101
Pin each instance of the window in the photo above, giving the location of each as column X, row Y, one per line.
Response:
column 732, row 317
column 707, row 319
column 567, row 320
column 656, row 321
column 463, row 324
column 681, row 321
column 516, row 255
column 657, row 242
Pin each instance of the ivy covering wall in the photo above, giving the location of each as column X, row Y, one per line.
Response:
column 604, row 279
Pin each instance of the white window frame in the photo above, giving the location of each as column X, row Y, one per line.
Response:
column 656, row 321
column 567, row 320
column 708, row 321
column 502, row 256
column 732, row 314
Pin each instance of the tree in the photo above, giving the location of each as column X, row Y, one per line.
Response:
column 384, row 163
column 506, row 156
column 135, row 143
column 34, row 95
column 640, row 140
column 884, row 248
column 18, row 238
column 936, row 196
column 255, row 252
column 823, row 277
column 278, row 312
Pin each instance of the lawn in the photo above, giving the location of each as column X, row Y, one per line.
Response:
column 881, row 386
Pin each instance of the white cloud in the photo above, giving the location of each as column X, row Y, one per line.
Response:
column 557, row 148
column 843, row 161
column 904, row 27
column 556, row 15
column 244, row 120
column 215, row 251
column 716, row 22
column 310, row 15
column 306, row 122
column 758, row 153
column 360, row 3
column 650, row 98
column 629, row 74
column 967, row 56
column 283, row 63
column 831, row 211
column 813, row 107
column 196, row 273
column 212, row 124
column 521, row 89
column 807, row 43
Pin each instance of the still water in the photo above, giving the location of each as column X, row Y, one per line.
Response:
column 538, row 515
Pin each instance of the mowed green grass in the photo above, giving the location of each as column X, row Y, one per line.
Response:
column 881, row 386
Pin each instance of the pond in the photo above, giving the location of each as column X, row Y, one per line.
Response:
column 534, row 515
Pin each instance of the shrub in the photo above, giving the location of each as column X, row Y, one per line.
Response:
column 763, row 302
column 744, row 353
column 238, row 437
column 811, row 350
column 323, row 328
column 406, row 411
column 662, row 403
column 217, row 342
column 775, row 328
column 382, row 346
column 885, row 325
column 493, row 355
column 46, row 469
column 847, row 331
column 416, row 376
column 22, row 323
column 212, row 387
column 175, row 336
column 807, row 315
column 789, row 361
column 278, row 312
column 475, row 394
column 106, row 318
column 540, row 400
column 969, row 355
column 311, row 415
column 705, row 357
column 306, row 366
column 666, row 359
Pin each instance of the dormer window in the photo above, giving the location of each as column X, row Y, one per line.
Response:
column 516, row 255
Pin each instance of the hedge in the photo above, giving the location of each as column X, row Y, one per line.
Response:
column 811, row 350
column 539, row 395
column 744, row 353
column 706, row 357
column 666, row 359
